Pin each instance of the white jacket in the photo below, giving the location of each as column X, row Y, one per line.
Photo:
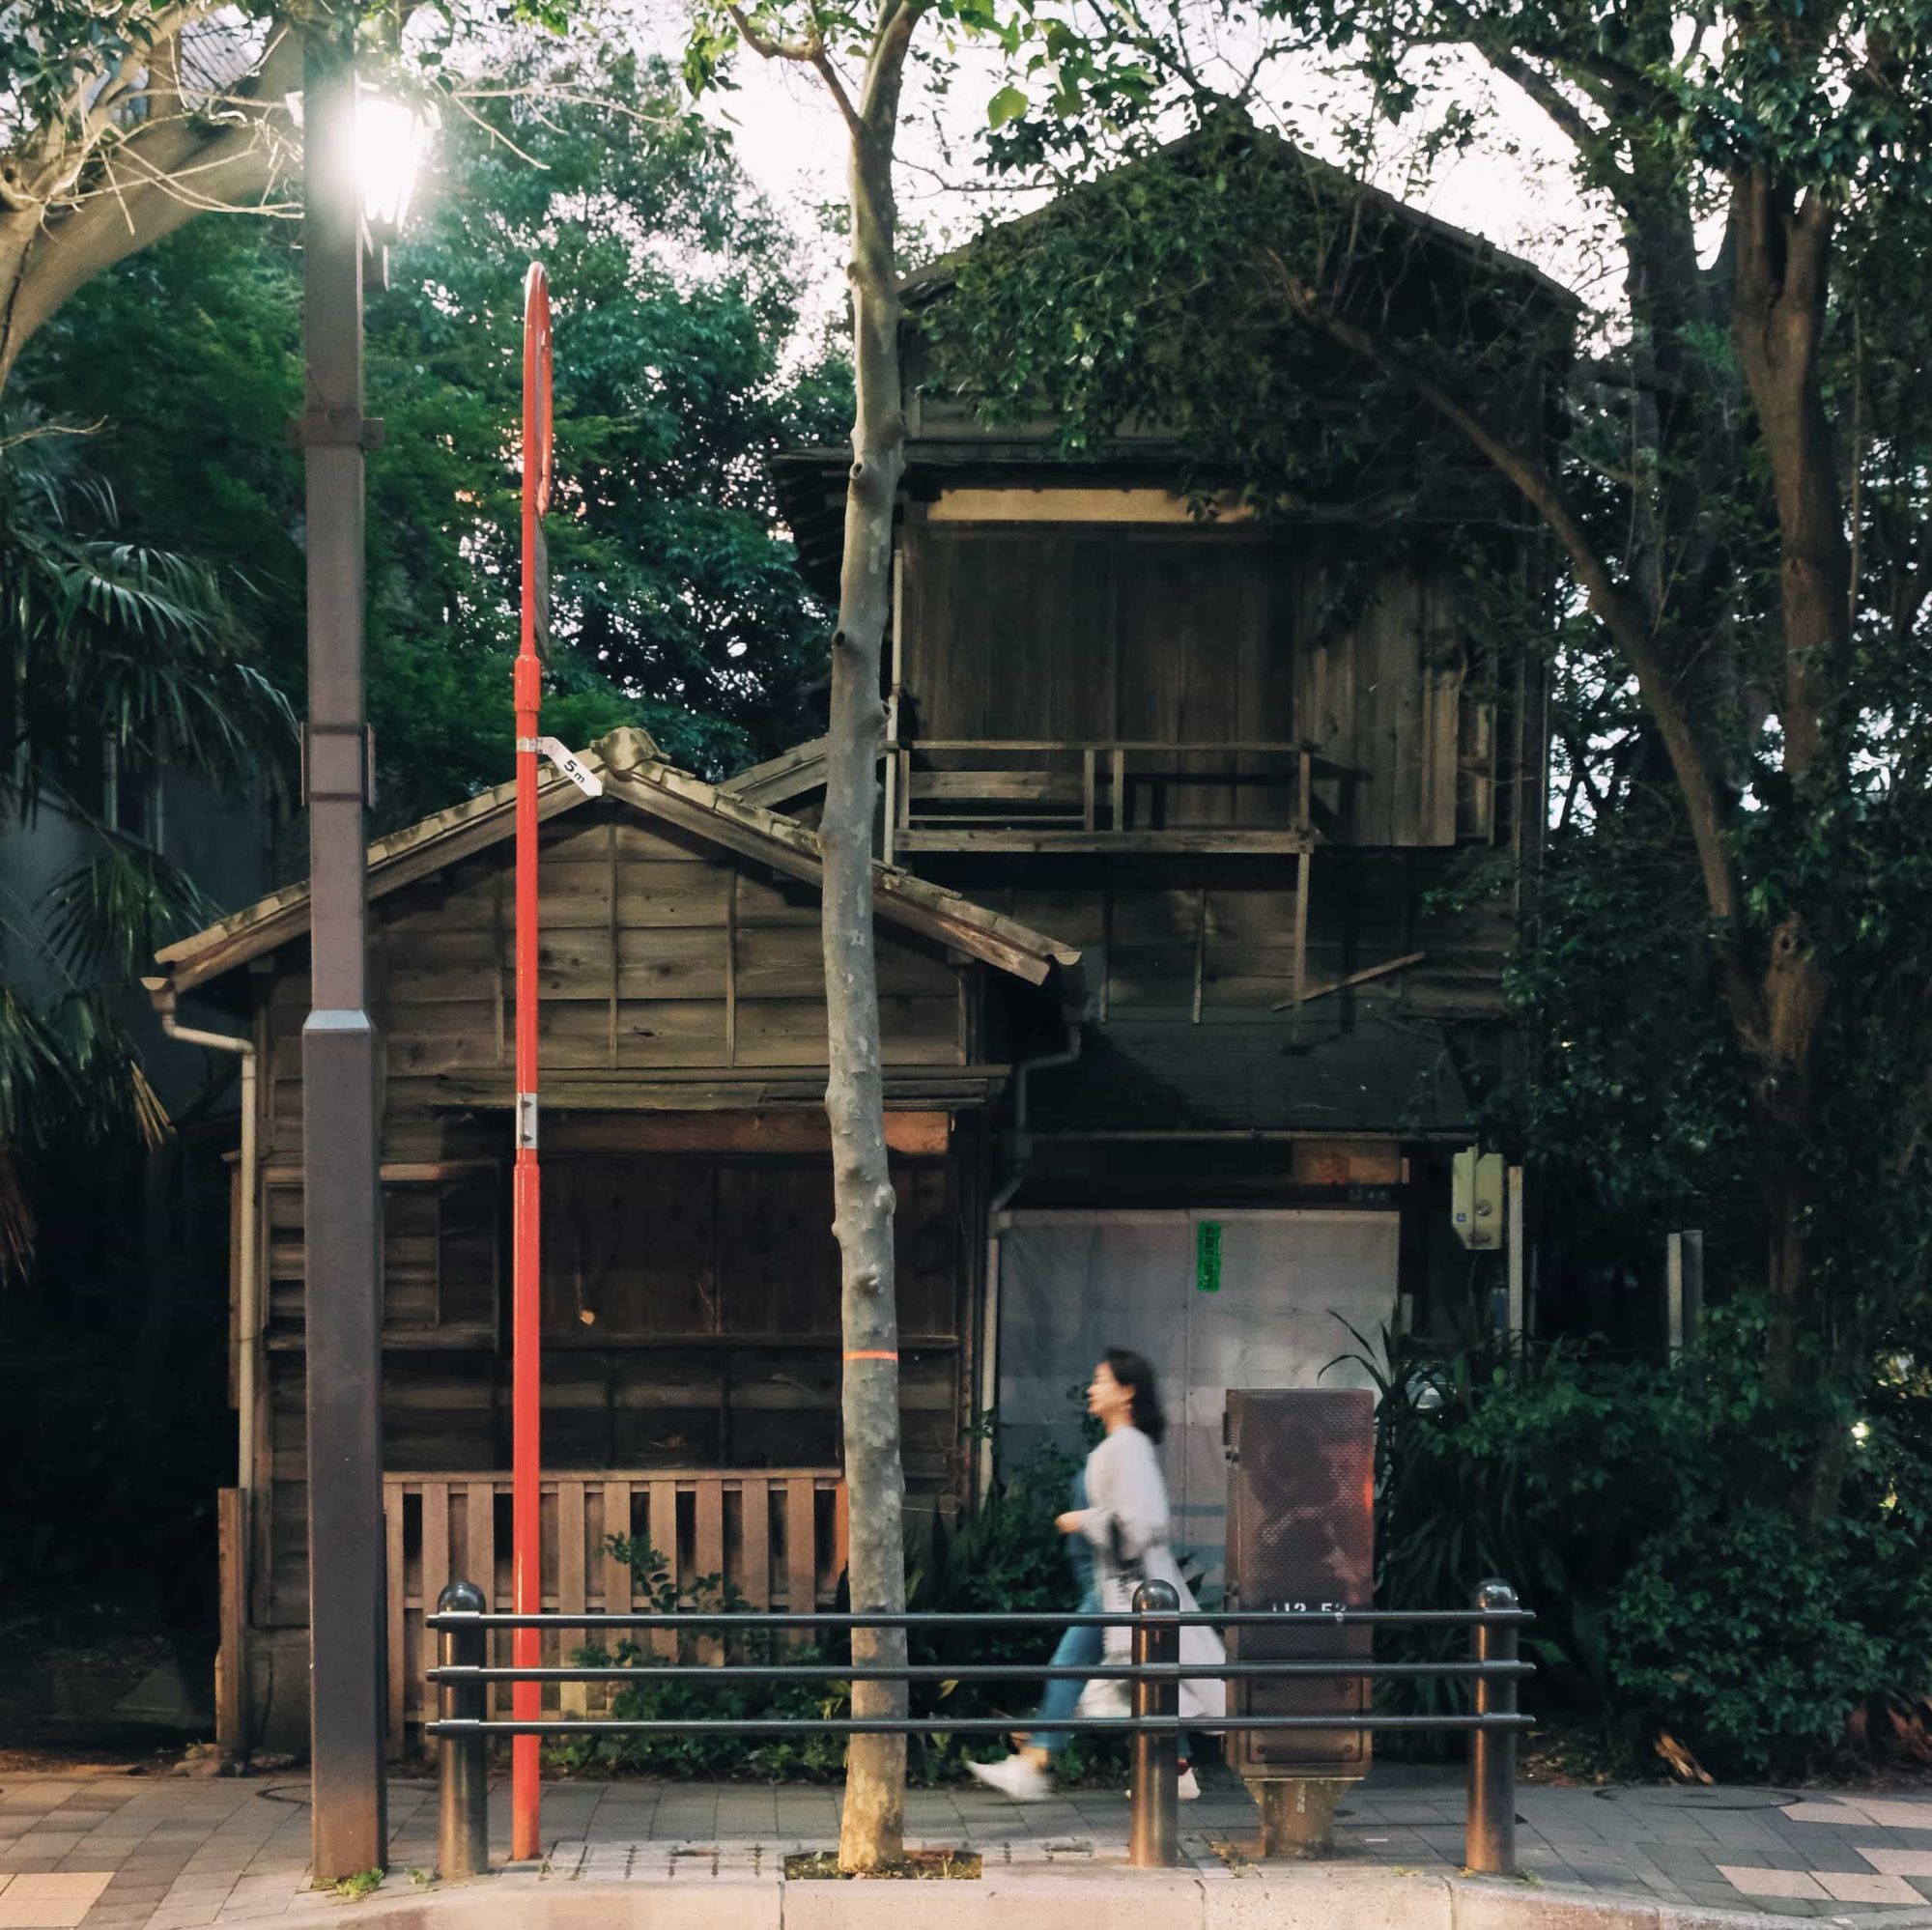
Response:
column 1125, row 1493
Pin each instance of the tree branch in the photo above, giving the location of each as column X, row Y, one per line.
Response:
column 141, row 197
column 811, row 51
column 1607, row 599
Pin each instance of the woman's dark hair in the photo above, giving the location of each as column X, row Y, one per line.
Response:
column 1135, row 1373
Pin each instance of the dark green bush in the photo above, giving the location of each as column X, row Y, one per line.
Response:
column 1004, row 1555
column 1645, row 1513
column 701, row 1754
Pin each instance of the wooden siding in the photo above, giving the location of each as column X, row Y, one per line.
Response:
column 658, row 954
column 690, row 1282
column 1218, row 935
column 712, row 1284
column 776, row 1537
column 1203, row 636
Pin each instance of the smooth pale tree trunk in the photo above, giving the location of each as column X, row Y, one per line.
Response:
column 871, row 1832
column 147, row 178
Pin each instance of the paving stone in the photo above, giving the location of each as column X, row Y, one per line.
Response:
column 1757, row 1881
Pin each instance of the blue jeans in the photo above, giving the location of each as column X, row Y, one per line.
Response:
column 1080, row 1647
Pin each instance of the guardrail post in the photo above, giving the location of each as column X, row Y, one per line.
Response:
column 1153, row 1835
column 463, row 1837
column 1490, row 1841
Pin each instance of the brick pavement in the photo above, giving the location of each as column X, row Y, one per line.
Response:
column 133, row 1853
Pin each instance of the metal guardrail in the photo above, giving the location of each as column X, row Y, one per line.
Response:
column 1155, row 1728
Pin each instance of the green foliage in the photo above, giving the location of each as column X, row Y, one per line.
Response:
column 1153, row 297
column 676, row 292
column 1004, row 1555
column 120, row 658
column 1638, row 1510
column 814, row 1758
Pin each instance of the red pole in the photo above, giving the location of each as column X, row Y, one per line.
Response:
column 526, row 1358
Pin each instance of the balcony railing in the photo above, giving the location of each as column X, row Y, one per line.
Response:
column 1114, row 795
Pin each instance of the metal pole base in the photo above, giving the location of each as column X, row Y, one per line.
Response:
column 1297, row 1818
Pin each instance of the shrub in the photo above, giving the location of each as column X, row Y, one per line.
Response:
column 1004, row 1555
column 695, row 1752
column 1644, row 1513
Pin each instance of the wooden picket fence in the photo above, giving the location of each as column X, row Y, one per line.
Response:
column 775, row 1536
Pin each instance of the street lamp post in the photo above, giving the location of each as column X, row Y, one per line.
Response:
column 354, row 151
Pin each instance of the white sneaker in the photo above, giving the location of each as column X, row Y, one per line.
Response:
column 1020, row 1777
column 1186, row 1788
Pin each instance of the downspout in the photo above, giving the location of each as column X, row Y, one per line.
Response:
column 1019, row 1143
column 247, row 1312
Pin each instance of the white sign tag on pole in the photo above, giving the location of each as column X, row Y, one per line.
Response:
column 571, row 766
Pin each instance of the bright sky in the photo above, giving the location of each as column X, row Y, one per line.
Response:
column 1512, row 188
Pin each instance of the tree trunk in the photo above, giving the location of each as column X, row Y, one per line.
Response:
column 871, row 1832
column 150, row 180
column 1783, row 272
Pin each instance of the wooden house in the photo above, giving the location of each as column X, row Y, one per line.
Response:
column 1179, row 1015
column 1285, row 825
column 690, row 1282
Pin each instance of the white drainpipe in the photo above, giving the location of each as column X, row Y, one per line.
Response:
column 248, row 1317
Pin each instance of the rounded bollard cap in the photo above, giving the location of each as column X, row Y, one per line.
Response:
column 461, row 1597
column 1157, row 1598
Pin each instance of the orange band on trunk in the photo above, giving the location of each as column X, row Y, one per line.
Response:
column 875, row 1353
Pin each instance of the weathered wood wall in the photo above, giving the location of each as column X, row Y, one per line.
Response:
column 1170, row 935
column 691, row 1283
column 1208, row 635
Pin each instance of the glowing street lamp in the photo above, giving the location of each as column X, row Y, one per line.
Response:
column 392, row 137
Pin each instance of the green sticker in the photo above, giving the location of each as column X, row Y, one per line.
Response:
column 1208, row 1256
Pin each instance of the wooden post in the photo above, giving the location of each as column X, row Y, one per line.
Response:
column 1120, row 776
column 1512, row 1223
column 1304, row 780
column 1200, row 948
column 890, row 814
column 230, row 1666
column 1673, row 1293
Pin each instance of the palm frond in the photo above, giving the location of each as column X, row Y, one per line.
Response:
column 20, row 1225
column 113, row 911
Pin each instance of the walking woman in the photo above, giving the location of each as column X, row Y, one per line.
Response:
column 1126, row 1525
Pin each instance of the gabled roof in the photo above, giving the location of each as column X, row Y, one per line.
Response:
column 636, row 776
column 1270, row 150
column 782, row 780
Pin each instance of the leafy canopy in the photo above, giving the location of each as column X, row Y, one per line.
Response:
column 680, row 372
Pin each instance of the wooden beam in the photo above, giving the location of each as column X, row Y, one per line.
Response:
column 1205, row 841
column 1299, row 994
column 916, row 1134
column 731, row 969
column 1200, row 948
column 611, row 852
column 1082, row 505
column 709, row 1089
column 1360, row 978
column 783, row 779
column 231, row 1671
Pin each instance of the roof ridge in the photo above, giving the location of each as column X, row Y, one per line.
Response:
column 631, row 764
